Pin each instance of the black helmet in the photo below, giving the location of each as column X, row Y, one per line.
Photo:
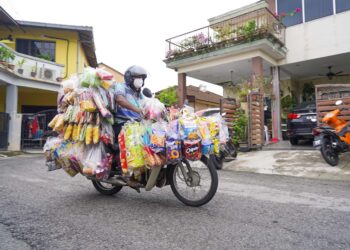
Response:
column 134, row 71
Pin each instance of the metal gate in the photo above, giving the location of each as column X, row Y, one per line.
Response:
column 4, row 130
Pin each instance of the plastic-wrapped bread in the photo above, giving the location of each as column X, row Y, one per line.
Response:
column 96, row 134
column 59, row 123
column 53, row 121
column 68, row 132
column 88, row 136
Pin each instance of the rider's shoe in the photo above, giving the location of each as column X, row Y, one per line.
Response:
column 134, row 184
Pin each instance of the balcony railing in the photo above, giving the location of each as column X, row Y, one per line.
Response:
column 249, row 27
column 32, row 67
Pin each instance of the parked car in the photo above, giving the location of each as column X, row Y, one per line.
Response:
column 301, row 122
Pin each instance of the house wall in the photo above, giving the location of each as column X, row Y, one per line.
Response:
column 35, row 97
column 82, row 60
column 76, row 54
column 322, row 37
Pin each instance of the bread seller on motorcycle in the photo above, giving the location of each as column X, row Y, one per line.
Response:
column 127, row 98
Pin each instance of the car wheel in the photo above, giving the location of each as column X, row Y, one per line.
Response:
column 293, row 141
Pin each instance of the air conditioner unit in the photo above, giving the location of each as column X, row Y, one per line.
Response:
column 48, row 74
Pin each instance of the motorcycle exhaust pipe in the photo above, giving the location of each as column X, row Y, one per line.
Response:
column 113, row 180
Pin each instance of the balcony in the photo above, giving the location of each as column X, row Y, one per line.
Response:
column 257, row 30
column 31, row 68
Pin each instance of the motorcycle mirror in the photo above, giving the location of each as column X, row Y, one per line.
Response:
column 147, row 92
column 339, row 102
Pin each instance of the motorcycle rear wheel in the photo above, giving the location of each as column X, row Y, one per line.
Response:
column 105, row 188
column 201, row 185
column 330, row 155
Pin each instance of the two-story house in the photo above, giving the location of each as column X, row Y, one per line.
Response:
column 290, row 44
column 42, row 55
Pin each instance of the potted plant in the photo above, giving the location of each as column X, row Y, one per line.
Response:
column 20, row 65
column 34, row 70
column 240, row 128
column 5, row 56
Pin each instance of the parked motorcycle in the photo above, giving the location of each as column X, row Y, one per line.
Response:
column 334, row 139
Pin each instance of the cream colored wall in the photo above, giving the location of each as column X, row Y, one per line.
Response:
column 318, row 38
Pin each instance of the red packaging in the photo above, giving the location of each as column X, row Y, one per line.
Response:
column 192, row 150
column 122, row 148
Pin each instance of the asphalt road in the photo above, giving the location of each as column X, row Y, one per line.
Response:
column 50, row 210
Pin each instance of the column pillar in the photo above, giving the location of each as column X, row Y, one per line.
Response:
column 181, row 88
column 276, row 104
column 258, row 70
column 14, row 134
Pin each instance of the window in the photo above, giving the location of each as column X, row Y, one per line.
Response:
column 40, row 49
column 317, row 8
column 288, row 6
column 342, row 5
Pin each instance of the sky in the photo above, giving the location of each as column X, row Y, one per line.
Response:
column 130, row 32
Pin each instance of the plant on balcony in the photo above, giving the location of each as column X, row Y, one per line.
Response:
column 172, row 53
column 248, row 30
column 224, row 33
column 283, row 15
column 34, row 71
column 195, row 42
column 6, row 56
column 20, row 65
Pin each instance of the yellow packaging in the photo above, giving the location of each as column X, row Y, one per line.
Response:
column 68, row 132
column 96, row 134
column 53, row 121
column 59, row 123
column 106, row 84
column 88, row 137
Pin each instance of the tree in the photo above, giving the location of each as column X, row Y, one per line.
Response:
column 168, row 96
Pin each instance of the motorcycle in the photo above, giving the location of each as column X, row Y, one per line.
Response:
column 334, row 139
column 193, row 182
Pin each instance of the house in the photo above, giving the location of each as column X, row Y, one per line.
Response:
column 286, row 54
column 118, row 77
column 43, row 55
column 200, row 99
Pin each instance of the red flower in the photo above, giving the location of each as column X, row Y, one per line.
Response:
column 297, row 10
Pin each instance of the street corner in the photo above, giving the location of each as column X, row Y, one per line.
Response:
column 297, row 163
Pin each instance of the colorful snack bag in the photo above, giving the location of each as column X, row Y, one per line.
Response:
column 122, row 148
column 173, row 150
column 192, row 150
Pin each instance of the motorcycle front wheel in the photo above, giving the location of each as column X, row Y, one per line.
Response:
column 330, row 155
column 194, row 182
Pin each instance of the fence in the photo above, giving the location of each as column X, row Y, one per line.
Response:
column 34, row 128
column 4, row 129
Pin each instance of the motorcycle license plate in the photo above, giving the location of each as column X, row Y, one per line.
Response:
column 317, row 143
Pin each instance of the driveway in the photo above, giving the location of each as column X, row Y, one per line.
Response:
column 302, row 163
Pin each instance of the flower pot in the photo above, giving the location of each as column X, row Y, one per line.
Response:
column 243, row 147
column 20, row 71
column 59, row 79
column 32, row 74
